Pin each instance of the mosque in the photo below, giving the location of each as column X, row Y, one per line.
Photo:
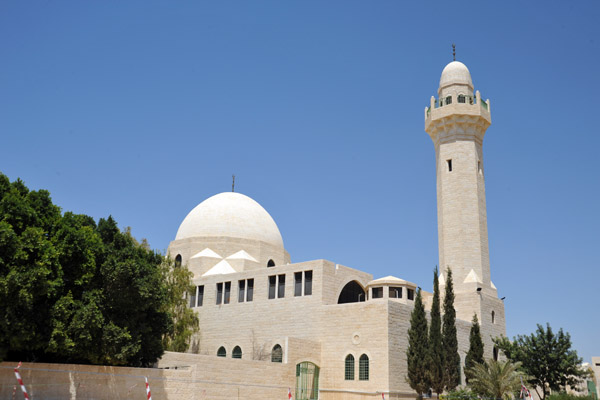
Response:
column 327, row 330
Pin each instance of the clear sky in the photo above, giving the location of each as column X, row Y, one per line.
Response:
column 142, row 109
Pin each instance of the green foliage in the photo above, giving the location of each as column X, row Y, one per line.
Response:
column 495, row 379
column 450, row 358
column 569, row 396
column 74, row 291
column 435, row 339
column 546, row 357
column 475, row 353
column 417, row 353
column 461, row 394
column 185, row 320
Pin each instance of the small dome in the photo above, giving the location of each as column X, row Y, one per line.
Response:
column 456, row 73
column 230, row 214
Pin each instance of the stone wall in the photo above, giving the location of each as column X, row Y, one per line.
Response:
column 196, row 377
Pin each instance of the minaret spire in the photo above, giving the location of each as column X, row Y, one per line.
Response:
column 232, row 183
column 453, row 52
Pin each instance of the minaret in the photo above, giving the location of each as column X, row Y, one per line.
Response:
column 456, row 122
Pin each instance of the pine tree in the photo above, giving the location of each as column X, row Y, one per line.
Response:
column 418, row 352
column 475, row 353
column 435, row 339
column 451, row 359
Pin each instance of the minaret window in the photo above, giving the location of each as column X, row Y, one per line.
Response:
column 449, row 162
column 271, row 263
column 448, row 100
column 462, row 98
column 479, row 167
column 493, row 317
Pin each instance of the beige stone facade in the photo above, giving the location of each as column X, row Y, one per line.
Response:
column 267, row 324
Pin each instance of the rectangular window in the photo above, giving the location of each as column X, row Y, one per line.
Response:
column 410, row 294
column 449, row 165
column 281, row 287
column 250, row 291
column 219, row 293
column 298, row 284
column 227, row 292
column 241, row 291
column 193, row 298
column 307, row 283
column 200, row 295
column 395, row 293
column 272, row 280
column 479, row 167
column 377, row 292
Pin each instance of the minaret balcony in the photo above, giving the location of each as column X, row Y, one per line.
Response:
column 457, row 105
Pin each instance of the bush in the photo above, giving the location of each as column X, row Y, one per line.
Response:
column 568, row 396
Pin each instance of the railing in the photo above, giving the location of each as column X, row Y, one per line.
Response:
column 460, row 99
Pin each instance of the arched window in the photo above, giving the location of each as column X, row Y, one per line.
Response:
column 271, row 263
column 221, row 352
column 349, row 368
column 178, row 261
column 277, row 354
column 448, row 100
column 495, row 353
column 363, row 368
column 493, row 317
column 351, row 293
column 237, row 352
column 462, row 98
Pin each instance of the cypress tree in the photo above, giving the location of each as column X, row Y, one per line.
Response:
column 451, row 359
column 475, row 353
column 417, row 354
column 435, row 339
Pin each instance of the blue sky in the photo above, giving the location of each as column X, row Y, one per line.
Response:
column 143, row 109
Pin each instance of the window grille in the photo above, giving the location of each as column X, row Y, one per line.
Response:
column 363, row 368
column 349, row 368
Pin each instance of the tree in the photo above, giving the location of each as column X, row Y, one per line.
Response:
column 495, row 379
column 417, row 353
column 72, row 290
column 475, row 353
column 450, row 358
column 178, row 280
column 547, row 358
column 435, row 339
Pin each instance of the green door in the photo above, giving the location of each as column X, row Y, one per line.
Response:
column 307, row 381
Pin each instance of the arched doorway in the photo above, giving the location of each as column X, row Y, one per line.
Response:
column 307, row 381
column 352, row 293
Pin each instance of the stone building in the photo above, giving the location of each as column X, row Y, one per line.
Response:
column 339, row 332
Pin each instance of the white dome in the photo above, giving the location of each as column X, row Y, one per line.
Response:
column 230, row 214
column 456, row 73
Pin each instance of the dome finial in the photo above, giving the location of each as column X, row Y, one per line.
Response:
column 453, row 52
column 232, row 183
